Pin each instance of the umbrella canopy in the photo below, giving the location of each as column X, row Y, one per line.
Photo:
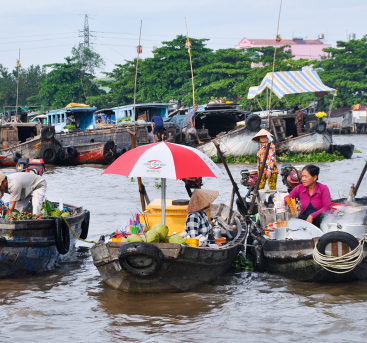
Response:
column 164, row 160
column 291, row 82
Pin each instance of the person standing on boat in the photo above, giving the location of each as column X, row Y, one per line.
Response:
column 271, row 166
column 314, row 197
column 191, row 123
column 21, row 188
column 197, row 221
column 157, row 125
column 300, row 119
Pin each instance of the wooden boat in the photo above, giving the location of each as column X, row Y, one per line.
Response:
column 21, row 140
column 90, row 153
column 32, row 246
column 180, row 267
column 307, row 143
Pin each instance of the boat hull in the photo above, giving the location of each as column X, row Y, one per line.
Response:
column 183, row 268
column 28, row 247
column 93, row 153
column 293, row 259
column 308, row 143
column 235, row 143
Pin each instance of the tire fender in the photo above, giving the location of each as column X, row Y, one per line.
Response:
column 45, row 151
column 321, row 127
column 336, row 236
column 62, row 236
column 48, row 132
column 140, row 258
column 108, row 157
column 253, row 122
column 72, row 151
column 16, row 156
column 85, row 225
column 61, row 155
column 109, row 145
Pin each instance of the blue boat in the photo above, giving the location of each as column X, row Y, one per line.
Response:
column 34, row 246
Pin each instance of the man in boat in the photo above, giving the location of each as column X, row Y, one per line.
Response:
column 157, row 125
column 300, row 119
column 197, row 221
column 271, row 167
column 21, row 188
column 191, row 123
column 314, row 197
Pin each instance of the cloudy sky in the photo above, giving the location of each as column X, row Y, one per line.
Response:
column 45, row 30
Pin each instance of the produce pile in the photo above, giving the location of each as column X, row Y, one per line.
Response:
column 48, row 208
column 157, row 234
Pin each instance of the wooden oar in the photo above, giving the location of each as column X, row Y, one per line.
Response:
column 360, row 179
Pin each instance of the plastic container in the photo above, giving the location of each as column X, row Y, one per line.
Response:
column 192, row 242
column 220, row 241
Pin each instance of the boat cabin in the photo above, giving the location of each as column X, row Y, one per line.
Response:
column 81, row 117
column 15, row 133
column 145, row 111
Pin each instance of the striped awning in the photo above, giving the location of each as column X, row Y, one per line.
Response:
column 291, row 82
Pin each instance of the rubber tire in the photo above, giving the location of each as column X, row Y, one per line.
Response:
column 17, row 156
column 118, row 153
column 72, row 151
column 85, row 225
column 62, row 236
column 253, row 122
column 48, row 133
column 140, row 248
column 179, row 138
column 241, row 211
column 336, row 236
column 108, row 157
column 262, row 265
column 346, row 150
column 321, row 127
column 109, row 145
column 43, row 154
column 61, row 155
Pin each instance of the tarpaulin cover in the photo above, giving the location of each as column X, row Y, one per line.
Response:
column 290, row 82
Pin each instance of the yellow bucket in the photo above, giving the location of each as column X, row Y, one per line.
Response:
column 192, row 242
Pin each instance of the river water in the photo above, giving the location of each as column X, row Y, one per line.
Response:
column 72, row 304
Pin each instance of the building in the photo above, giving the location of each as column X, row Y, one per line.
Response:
column 301, row 48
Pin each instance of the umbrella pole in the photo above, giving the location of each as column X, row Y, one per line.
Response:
column 163, row 192
column 142, row 191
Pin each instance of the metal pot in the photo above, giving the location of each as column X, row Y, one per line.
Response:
column 357, row 230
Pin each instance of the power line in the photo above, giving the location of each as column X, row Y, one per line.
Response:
column 40, row 47
column 37, row 40
column 49, row 34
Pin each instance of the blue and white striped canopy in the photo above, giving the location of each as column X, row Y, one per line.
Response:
column 291, row 82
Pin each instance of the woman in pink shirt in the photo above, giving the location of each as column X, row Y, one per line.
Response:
column 314, row 197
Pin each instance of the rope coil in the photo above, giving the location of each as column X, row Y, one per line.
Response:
column 342, row 264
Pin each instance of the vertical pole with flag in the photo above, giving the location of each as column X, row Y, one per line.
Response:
column 18, row 65
column 188, row 46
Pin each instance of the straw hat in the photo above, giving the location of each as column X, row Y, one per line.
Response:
column 200, row 199
column 261, row 133
column 2, row 177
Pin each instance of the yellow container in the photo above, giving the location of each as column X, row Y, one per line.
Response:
column 175, row 216
column 115, row 239
column 192, row 242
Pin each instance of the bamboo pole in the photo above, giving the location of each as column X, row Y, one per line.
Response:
column 136, row 75
column 188, row 44
column 277, row 39
column 16, row 106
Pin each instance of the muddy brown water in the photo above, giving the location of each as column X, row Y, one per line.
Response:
column 72, row 304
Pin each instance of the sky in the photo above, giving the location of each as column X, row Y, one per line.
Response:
column 45, row 30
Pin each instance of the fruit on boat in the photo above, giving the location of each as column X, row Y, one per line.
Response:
column 162, row 231
column 152, row 236
column 176, row 239
column 134, row 238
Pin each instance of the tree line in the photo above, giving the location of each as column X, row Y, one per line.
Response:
column 224, row 73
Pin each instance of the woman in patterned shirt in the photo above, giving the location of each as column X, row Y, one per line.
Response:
column 197, row 222
column 271, row 167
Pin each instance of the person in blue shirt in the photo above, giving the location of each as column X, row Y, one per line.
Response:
column 191, row 123
column 157, row 125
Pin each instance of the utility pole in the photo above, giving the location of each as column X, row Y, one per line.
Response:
column 18, row 65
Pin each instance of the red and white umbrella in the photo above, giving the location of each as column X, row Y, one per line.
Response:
column 166, row 161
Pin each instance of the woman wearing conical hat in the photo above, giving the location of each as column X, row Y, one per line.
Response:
column 271, row 167
column 197, row 221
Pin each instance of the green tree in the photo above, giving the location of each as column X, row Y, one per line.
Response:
column 71, row 81
column 345, row 69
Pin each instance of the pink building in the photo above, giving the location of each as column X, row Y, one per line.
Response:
column 301, row 48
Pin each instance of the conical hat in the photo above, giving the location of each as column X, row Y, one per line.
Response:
column 262, row 132
column 200, row 199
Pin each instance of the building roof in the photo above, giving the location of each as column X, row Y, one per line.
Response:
column 340, row 111
column 284, row 41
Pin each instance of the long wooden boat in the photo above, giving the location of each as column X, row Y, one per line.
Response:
column 30, row 246
column 237, row 142
column 180, row 267
column 307, row 143
column 92, row 153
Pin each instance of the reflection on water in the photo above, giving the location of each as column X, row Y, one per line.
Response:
column 72, row 304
